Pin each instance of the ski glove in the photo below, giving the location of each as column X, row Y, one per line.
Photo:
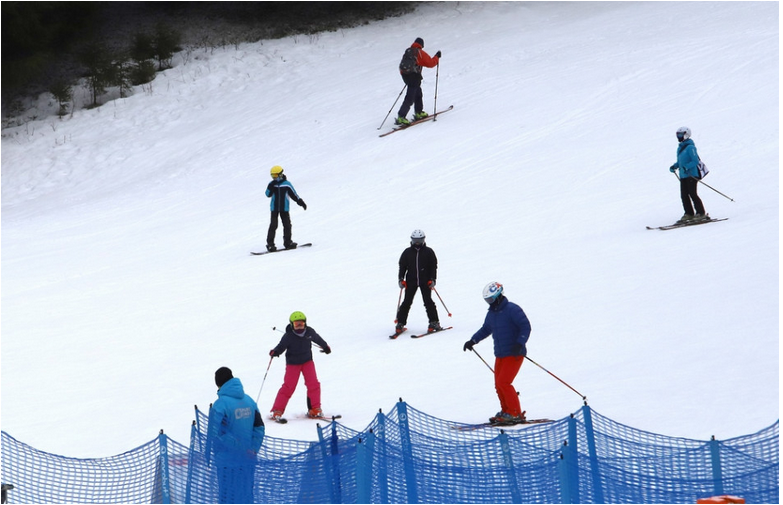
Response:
column 273, row 353
column 271, row 186
column 673, row 169
column 431, row 284
column 326, row 350
column 468, row 345
column 302, row 204
column 402, row 284
column 437, row 55
column 516, row 349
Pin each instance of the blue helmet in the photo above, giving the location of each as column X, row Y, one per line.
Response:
column 492, row 292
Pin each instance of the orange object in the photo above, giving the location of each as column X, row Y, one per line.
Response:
column 721, row 499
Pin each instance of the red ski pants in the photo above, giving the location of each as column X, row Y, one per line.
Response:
column 290, row 381
column 506, row 370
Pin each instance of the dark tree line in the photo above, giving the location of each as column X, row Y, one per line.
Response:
column 48, row 46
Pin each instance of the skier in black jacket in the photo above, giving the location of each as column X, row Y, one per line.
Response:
column 418, row 270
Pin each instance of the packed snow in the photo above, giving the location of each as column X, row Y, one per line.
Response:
column 126, row 229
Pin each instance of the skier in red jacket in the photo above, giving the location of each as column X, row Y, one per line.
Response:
column 410, row 69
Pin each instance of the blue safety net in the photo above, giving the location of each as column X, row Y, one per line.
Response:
column 407, row 456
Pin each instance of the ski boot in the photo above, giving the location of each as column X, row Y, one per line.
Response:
column 291, row 245
column 420, row 115
column 276, row 416
column 686, row 218
column 402, row 121
column 434, row 326
column 271, row 247
column 315, row 413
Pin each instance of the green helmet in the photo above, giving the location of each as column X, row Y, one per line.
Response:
column 297, row 316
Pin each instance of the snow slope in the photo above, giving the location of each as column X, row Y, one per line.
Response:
column 126, row 278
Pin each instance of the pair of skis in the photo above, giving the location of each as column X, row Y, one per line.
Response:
column 417, row 121
column 479, row 426
column 398, row 333
column 282, row 420
column 687, row 223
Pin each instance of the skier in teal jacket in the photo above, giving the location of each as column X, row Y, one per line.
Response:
column 688, row 165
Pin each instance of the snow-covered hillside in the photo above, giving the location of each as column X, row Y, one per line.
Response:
column 126, row 278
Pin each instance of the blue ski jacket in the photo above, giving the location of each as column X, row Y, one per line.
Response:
column 279, row 192
column 687, row 160
column 236, row 430
column 509, row 327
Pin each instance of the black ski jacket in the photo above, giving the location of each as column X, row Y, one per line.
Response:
column 418, row 266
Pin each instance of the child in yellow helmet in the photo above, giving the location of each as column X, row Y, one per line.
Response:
column 280, row 190
column 297, row 345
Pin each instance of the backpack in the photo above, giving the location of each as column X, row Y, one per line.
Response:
column 703, row 170
column 408, row 62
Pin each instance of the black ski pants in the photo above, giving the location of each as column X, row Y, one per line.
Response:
column 413, row 96
column 405, row 306
column 285, row 217
column 689, row 191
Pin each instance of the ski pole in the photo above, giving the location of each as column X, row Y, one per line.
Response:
column 556, row 377
column 482, row 359
column 392, row 107
column 715, row 190
column 441, row 300
column 263, row 381
column 435, row 107
column 399, row 300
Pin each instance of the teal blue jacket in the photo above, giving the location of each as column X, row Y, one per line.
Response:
column 279, row 192
column 235, row 431
column 687, row 160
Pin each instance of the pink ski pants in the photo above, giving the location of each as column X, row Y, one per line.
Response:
column 290, row 381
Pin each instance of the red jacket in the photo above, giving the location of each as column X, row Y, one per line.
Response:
column 424, row 59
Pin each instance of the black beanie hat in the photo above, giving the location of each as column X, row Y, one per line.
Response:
column 419, row 41
column 223, row 375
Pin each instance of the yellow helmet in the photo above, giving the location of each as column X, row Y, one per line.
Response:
column 276, row 171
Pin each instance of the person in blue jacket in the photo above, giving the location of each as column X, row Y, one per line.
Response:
column 280, row 190
column 234, row 435
column 688, row 165
column 510, row 329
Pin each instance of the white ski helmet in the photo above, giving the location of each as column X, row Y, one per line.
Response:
column 417, row 237
column 683, row 133
column 492, row 292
